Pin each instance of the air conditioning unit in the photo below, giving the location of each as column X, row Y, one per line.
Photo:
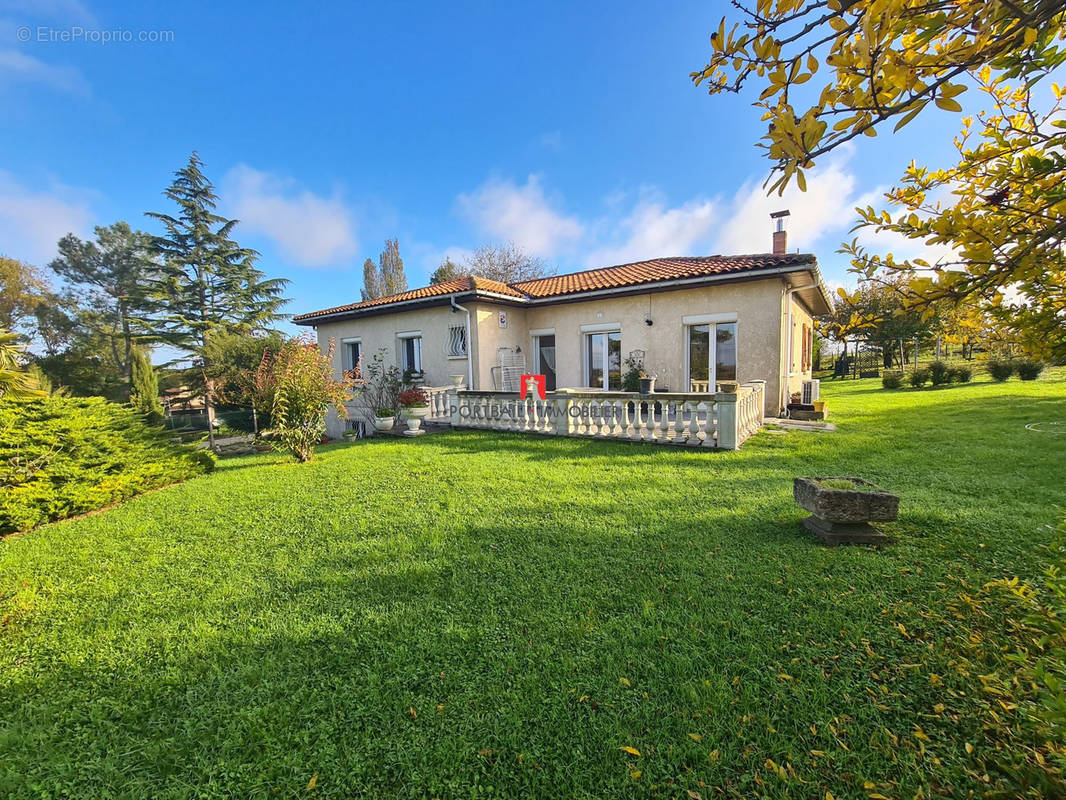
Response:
column 810, row 391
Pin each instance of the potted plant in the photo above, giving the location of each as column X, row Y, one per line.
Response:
column 843, row 508
column 384, row 419
column 415, row 405
column 647, row 382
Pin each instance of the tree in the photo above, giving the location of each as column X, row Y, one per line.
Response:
column 887, row 61
column 115, row 275
column 371, row 281
column 24, row 291
column 387, row 276
column 84, row 366
column 506, row 263
column 304, row 388
column 144, row 388
column 16, row 383
column 447, row 271
column 208, row 283
column 234, row 360
column 393, row 279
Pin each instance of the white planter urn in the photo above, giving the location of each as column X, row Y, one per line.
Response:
column 414, row 416
column 384, row 423
column 457, row 380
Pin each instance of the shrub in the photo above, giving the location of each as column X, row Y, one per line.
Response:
column 414, row 398
column 144, row 388
column 1029, row 370
column 939, row 373
column 61, row 456
column 919, row 378
column 999, row 370
column 304, row 387
column 961, row 375
column 891, row 380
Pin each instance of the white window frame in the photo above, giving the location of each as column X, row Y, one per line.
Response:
column 345, row 366
column 586, row 331
column 449, row 350
column 403, row 337
column 711, row 321
column 535, row 335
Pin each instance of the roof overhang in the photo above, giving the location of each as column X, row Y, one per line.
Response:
column 807, row 274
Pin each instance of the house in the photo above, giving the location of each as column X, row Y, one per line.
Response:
column 693, row 320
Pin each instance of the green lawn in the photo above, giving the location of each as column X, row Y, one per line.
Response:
column 477, row 615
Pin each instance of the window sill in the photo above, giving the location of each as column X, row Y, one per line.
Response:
column 456, row 358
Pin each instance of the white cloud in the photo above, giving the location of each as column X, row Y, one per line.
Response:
column 68, row 11
column 506, row 211
column 31, row 222
column 17, row 67
column 310, row 230
column 652, row 230
column 826, row 207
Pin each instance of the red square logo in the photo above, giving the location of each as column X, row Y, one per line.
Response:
column 533, row 383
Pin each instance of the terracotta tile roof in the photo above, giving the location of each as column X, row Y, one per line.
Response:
column 635, row 274
column 657, row 269
column 457, row 286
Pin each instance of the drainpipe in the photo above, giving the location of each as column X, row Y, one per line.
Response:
column 469, row 344
column 788, row 356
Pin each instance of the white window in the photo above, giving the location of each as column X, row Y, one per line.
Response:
column 603, row 360
column 410, row 352
column 456, row 344
column 351, row 352
column 711, row 354
column 544, row 358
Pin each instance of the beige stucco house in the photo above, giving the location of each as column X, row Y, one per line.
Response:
column 693, row 321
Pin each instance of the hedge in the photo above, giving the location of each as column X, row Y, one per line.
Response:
column 61, row 456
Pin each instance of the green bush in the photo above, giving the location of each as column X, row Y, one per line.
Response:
column 939, row 373
column 919, row 378
column 61, row 456
column 891, row 380
column 961, row 375
column 999, row 370
column 1029, row 370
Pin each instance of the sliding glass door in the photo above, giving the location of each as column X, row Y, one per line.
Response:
column 603, row 360
column 712, row 355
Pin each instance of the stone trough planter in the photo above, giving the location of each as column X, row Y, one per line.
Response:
column 842, row 515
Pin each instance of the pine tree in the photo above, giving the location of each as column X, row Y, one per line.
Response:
column 209, row 282
column 393, row 279
column 113, row 278
column 371, row 281
column 144, row 387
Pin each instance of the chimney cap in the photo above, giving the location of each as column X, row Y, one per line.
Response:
column 785, row 213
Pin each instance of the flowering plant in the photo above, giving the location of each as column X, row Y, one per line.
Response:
column 414, row 398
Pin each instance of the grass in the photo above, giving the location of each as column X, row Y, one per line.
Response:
column 478, row 615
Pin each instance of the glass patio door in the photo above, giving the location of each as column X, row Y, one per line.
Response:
column 603, row 360
column 544, row 359
column 712, row 355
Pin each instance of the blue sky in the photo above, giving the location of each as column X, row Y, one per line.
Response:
column 570, row 128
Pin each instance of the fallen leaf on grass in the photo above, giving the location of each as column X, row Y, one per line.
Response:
column 311, row 784
column 412, row 712
column 695, row 737
column 631, row 750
